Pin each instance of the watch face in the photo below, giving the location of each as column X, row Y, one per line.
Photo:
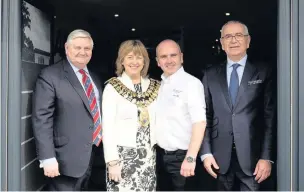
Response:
column 190, row 159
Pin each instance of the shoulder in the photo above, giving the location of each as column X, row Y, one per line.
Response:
column 190, row 82
column 112, row 81
column 109, row 87
column 151, row 80
column 190, row 79
column 51, row 73
column 262, row 67
column 52, row 69
column 210, row 68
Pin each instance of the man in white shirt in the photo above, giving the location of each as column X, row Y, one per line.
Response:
column 180, row 119
column 66, row 117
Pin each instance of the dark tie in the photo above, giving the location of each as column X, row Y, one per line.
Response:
column 234, row 83
column 88, row 85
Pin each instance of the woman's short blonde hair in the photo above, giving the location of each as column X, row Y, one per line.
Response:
column 138, row 48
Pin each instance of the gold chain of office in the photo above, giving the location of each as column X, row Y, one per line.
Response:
column 141, row 99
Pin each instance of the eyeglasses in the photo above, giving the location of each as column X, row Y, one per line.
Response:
column 238, row 37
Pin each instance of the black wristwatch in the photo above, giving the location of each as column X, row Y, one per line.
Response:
column 190, row 159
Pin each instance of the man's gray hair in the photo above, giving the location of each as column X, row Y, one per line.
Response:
column 79, row 33
column 235, row 22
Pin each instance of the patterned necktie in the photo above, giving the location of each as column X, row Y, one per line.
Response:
column 88, row 85
column 234, row 83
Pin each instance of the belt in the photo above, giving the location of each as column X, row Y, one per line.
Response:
column 179, row 151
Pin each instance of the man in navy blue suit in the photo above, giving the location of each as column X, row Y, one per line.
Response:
column 240, row 115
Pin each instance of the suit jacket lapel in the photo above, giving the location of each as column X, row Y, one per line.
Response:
column 223, row 82
column 72, row 78
column 248, row 73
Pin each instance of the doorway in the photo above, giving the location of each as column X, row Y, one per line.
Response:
column 194, row 25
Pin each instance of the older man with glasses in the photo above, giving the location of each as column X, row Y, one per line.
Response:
column 240, row 115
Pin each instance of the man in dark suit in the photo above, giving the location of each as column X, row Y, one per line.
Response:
column 237, row 147
column 66, row 117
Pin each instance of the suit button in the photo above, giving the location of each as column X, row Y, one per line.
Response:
column 91, row 127
column 231, row 133
column 233, row 114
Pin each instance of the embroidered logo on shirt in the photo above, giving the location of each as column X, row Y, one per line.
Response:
column 176, row 93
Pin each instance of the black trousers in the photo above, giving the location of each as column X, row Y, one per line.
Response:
column 168, row 166
column 93, row 179
column 235, row 179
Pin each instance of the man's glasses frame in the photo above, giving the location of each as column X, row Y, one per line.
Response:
column 237, row 36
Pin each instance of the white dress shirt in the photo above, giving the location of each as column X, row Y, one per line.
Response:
column 180, row 104
column 239, row 70
column 97, row 95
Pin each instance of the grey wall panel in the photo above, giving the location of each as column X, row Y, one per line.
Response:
column 28, row 153
column 301, row 95
column 284, row 153
column 26, row 129
column 14, row 98
column 32, row 178
column 30, row 72
column 26, row 104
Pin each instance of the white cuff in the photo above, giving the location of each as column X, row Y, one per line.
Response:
column 203, row 157
column 47, row 161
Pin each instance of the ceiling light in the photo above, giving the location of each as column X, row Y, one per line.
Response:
column 216, row 40
column 227, row 14
column 116, row 15
column 133, row 29
column 213, row 47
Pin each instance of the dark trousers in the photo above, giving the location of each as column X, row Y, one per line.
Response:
column 168, row 166
column 93, row 179
column 235, row 178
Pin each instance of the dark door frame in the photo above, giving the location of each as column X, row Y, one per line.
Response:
column 289, row 106
column 290, row 102
column 10, row 94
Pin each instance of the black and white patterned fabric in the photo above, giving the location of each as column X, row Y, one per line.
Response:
column 138, row 164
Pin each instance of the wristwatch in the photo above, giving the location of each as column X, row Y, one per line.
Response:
column 190, row 159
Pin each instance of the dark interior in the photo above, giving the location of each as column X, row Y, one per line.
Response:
column 195, row 24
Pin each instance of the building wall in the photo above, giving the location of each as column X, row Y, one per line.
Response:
column 36, row 42
column 42, row 59
column 32, row 177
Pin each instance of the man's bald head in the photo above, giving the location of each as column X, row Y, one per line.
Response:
column 169, row 56
column 166, row 42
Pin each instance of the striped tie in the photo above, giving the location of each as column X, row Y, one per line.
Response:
column 88, row 85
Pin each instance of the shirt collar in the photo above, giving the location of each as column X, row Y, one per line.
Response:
column 242, row 62
column 173, row 76
column 75, row 69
